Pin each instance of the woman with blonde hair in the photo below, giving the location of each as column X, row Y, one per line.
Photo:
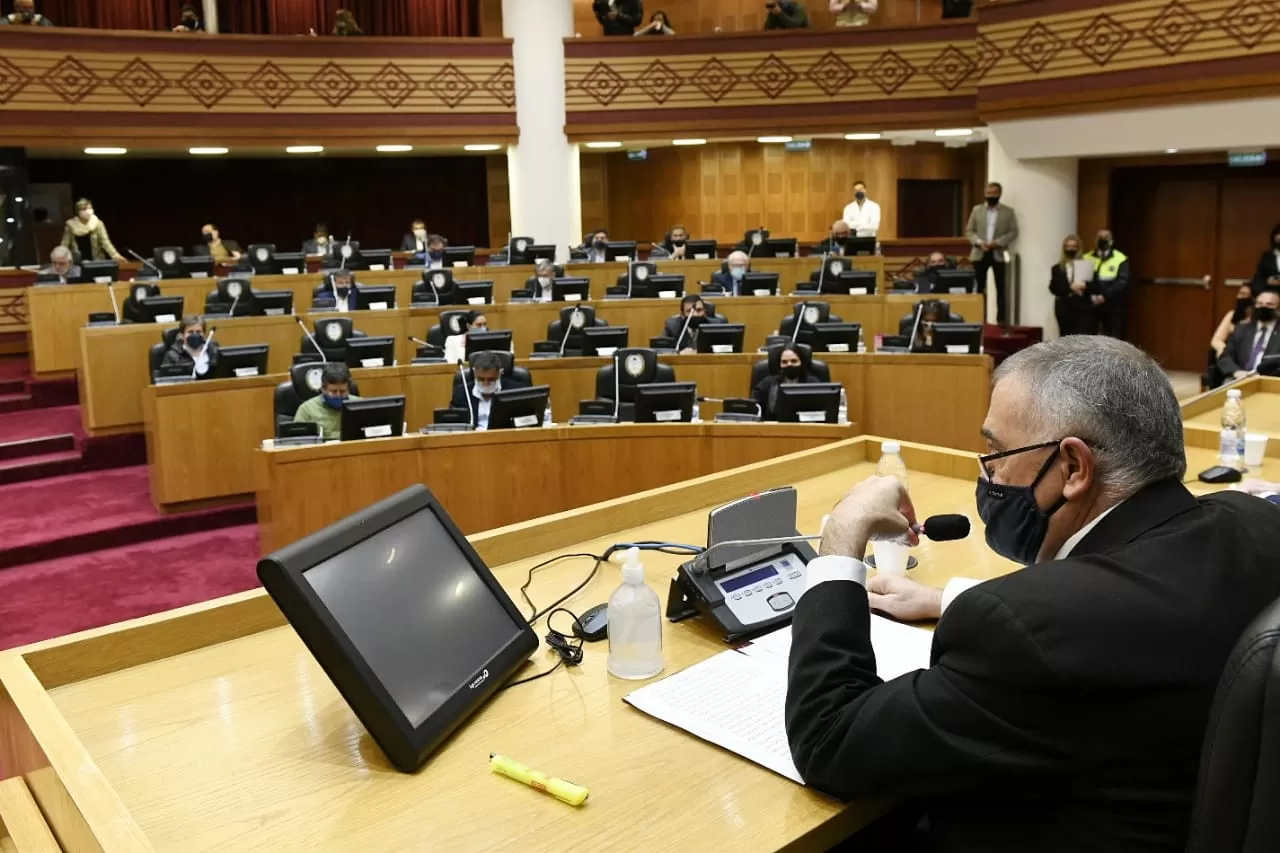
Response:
column 345, row 24
column 86, row 236
column 1069, row 282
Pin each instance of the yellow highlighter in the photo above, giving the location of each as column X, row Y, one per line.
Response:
column 565, row 792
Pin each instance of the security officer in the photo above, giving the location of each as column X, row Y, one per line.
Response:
column 1111, row 273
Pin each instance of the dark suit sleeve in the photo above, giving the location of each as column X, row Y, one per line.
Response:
column 601, row 10
column 1227, row 363
column 1260, row 274
column 172, row 357
column 967, row 724
column 1117, row 287
column 458, row 400
column 631, row 14
column 671, row 327
column 1058, row 284
column 761, row 395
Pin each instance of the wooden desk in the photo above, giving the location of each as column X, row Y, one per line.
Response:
column 201, row 436
column 211, row 727
column 1202, row 415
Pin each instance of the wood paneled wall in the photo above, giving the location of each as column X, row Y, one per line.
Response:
column 499, row 192
column 721, row 190
column 705, row 16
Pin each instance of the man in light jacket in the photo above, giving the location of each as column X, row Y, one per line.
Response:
column 992, row 229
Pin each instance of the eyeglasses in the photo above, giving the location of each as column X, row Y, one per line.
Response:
column 984, row 461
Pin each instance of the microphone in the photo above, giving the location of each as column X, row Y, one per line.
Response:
column 687, row 320
column 420, row 343
column 795, row 332
column 617, row 386
column 751, row 248
column 944, row 528
column 430, row 283
column 466, row 393
column 115, row 306
column 310, row 336
column 195, row 368
column 911, row 344
column 342, row 265
column 138, row 257
column 568, row 327
column 234, row 301
column 630, row 268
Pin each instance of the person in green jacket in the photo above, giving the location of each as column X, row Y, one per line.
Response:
column 86, row 235
column 326, row 407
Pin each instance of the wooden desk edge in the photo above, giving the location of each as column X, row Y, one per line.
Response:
column 28, row 673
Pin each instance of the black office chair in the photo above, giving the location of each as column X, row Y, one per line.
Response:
column 155, row 356
column 333, row 345
column 131, row 309
column 788, row 325
column 303, row 384
column 771, row 366
column 637, row 272
column 556, row 328
column 435, row 288
column 1239, row 784
column 649, row 370
column 906, row 321
column 456, row 321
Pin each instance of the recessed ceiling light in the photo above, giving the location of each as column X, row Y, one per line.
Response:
column 954, row 131
column 1171, row 150
column 304, row 149
column 861, row 137
column 688, row 142
column 106, row 150
column 768, row 139
column 393, row 149
column 481, row 146
column 209, row 150
column 604, row 144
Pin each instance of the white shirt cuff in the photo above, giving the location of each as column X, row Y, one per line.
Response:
column 954, row 587
column 834, row 568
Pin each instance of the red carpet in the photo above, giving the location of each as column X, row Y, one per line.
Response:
column 35, row 423
column 78, row 513
column 56, row 597
column 14, row 367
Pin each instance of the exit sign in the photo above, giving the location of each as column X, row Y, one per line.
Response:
column 1246, row 158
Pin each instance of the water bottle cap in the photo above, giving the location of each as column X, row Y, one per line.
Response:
column 632, row 570
column 1234, row 393
column 890, row 447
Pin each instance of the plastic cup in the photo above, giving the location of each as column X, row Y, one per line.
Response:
column 1255, row 448
column 891, row 557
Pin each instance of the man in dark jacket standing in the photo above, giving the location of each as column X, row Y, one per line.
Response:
column 1066, row 703
column 618, row 17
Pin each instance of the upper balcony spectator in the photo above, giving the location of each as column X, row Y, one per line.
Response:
column 852, row 13
column 190, row 21
column 786, row 15
column 618, row 17
column 345, row 24
column 658, row 26
column 24, row 15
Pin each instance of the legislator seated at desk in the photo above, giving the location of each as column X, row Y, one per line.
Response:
column 787, row 364
column 340, row 292
column 682, row 329
column 325, row 408
column 930, row 311
column 187, row 351
column 490, row 372
column 1066, row 704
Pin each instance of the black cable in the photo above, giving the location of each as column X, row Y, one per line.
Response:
column 524, row 589
column 568, row 652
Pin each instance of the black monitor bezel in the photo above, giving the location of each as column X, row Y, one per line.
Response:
column 625, row 248
column 226, row 355
column 498, row 403
column 570, row 284
column 147, row 304
column 263, row 298
column 282, row 573
column 690, row 247
column 831, row 409
column 453, row 254
column 499, row 335
column 840, row 285
column 464, row 290
column 647, row 391
column 771, row 278
column 588, row 333
column 374, row 403
column 950, row 329
column 737, row 332
column 353, row 344
column 362, row 299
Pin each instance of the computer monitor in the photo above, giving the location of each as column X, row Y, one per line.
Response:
column 373, row 632
column 531, row 253
column 236, row 362
column 496, row 341
column 518, row 408
column 460, row 256
column 660, row 286
column 570, row 289
column 373, row 417
column 49, row 278
column 957, row 338
column 849, row 282
column 473, row 292
column 198, row 266
column 808, row 402
column 620, row 250
column 373, row 351
column 831, row 337
column 700, row 250
column 291, row 263
column 662, row 402
column 860, row 246
column 161, row 309
column 269, row 303
column 953, row 281
column 778, row 247
column 377, row 260
column 759, row 284
column 604, row 340
column 98, row 272
column 720, row 337
column 375, row 297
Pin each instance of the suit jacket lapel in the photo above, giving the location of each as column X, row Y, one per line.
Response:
column 1150, row 507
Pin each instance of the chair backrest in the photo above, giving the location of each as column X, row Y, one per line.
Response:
column 637, row 272
column 155, row 357
column 1239, row 784
column 555, row 329
column 330, row 333
column 770, row 365
column 906, row 321
column 639, row 367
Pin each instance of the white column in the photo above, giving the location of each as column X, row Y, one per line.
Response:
column 210, row 16
column 546, row 202
column 1043, row 192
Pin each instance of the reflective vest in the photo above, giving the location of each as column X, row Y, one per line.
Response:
column 1107, row 270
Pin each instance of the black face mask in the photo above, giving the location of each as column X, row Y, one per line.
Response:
column 1104, row 245
column 860, row 195
column 601, row 245
column 342, row 292
column 792, row 371
column 1070, row 253
column 1264, row 315
column 188, row 20
column 1016, row 526
column 695, row 321
column 993, row 200
column 208, row 238
column 677, row 243
column 1242, row 310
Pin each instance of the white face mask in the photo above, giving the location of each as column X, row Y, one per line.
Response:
column 488, row 387
column 321, row 240
column 420, row 233
column 86, row 215
column 544, row 280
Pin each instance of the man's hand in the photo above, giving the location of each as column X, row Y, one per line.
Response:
column 688, row 351
column 1077, row 287
column 677, row 252
column 1240, row 374
column 904, row 600
column 613, row 13
column 876, row 508
column 1098, row 298
column 1255, row 486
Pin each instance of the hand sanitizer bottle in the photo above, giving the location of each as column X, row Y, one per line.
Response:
column 635, row 624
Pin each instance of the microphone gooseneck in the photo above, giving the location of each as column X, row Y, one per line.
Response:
column 466, row 393
column 617, row 386
column 687, row 320
column 138, row 257
column 795, row 331
column 310, row 336
column 568, row 327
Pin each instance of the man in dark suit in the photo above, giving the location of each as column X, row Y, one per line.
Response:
column 618, row 17
column 737, row 265
column 1267, row 273
column 320, row 243
column 1066, row 702
column 683, row 327
column 485, row 381
column 1250, row 342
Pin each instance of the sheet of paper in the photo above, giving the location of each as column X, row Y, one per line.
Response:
column 1082, row 270
column 899, row 648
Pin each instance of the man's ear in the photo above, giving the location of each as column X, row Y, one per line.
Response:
column 1082, row 470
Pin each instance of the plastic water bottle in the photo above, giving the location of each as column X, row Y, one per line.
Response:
column 843, row 416
column 635, row 624
column 1231, row 439
column 546, row 414
column 891, row 464
column 695, row 415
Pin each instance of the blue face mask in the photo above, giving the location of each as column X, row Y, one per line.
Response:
column 333, row 402
column 737, row 273
column 436, row 256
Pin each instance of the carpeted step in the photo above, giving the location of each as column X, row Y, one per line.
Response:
column 38, row 423
column 12, row 386
column 28, row 447
column 76, row 593
column 76, row 514
column 14, row 402
column 26, row 469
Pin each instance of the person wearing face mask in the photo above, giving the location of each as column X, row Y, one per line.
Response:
column 540, row 283
column 62, row 264
column 1252, row 341
column 434, row 257
column 86, row 235
column 320, row 243
column 190, row 21
column 730, row 281
column 416, row 240
column 1267, row 273
column 991, row 230
column 673, row 246
column 926, row 276
column 484, row 381
column 455, row 345
column 834, row 244
column 212, row 245
column 1069, row 282
column 24, row 15
column 683, row 328
column 325, row 408
column 792, row 370
column 336, row 288
column 1241, row 313
column 1111, row 279
column 862, row 215
column 596, row 245
column 191, row 350
column 1066, row 703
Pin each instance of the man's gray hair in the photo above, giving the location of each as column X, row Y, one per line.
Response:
column 1111, row 395
column 545, row 268
column 486, row 360
column 60, row 253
